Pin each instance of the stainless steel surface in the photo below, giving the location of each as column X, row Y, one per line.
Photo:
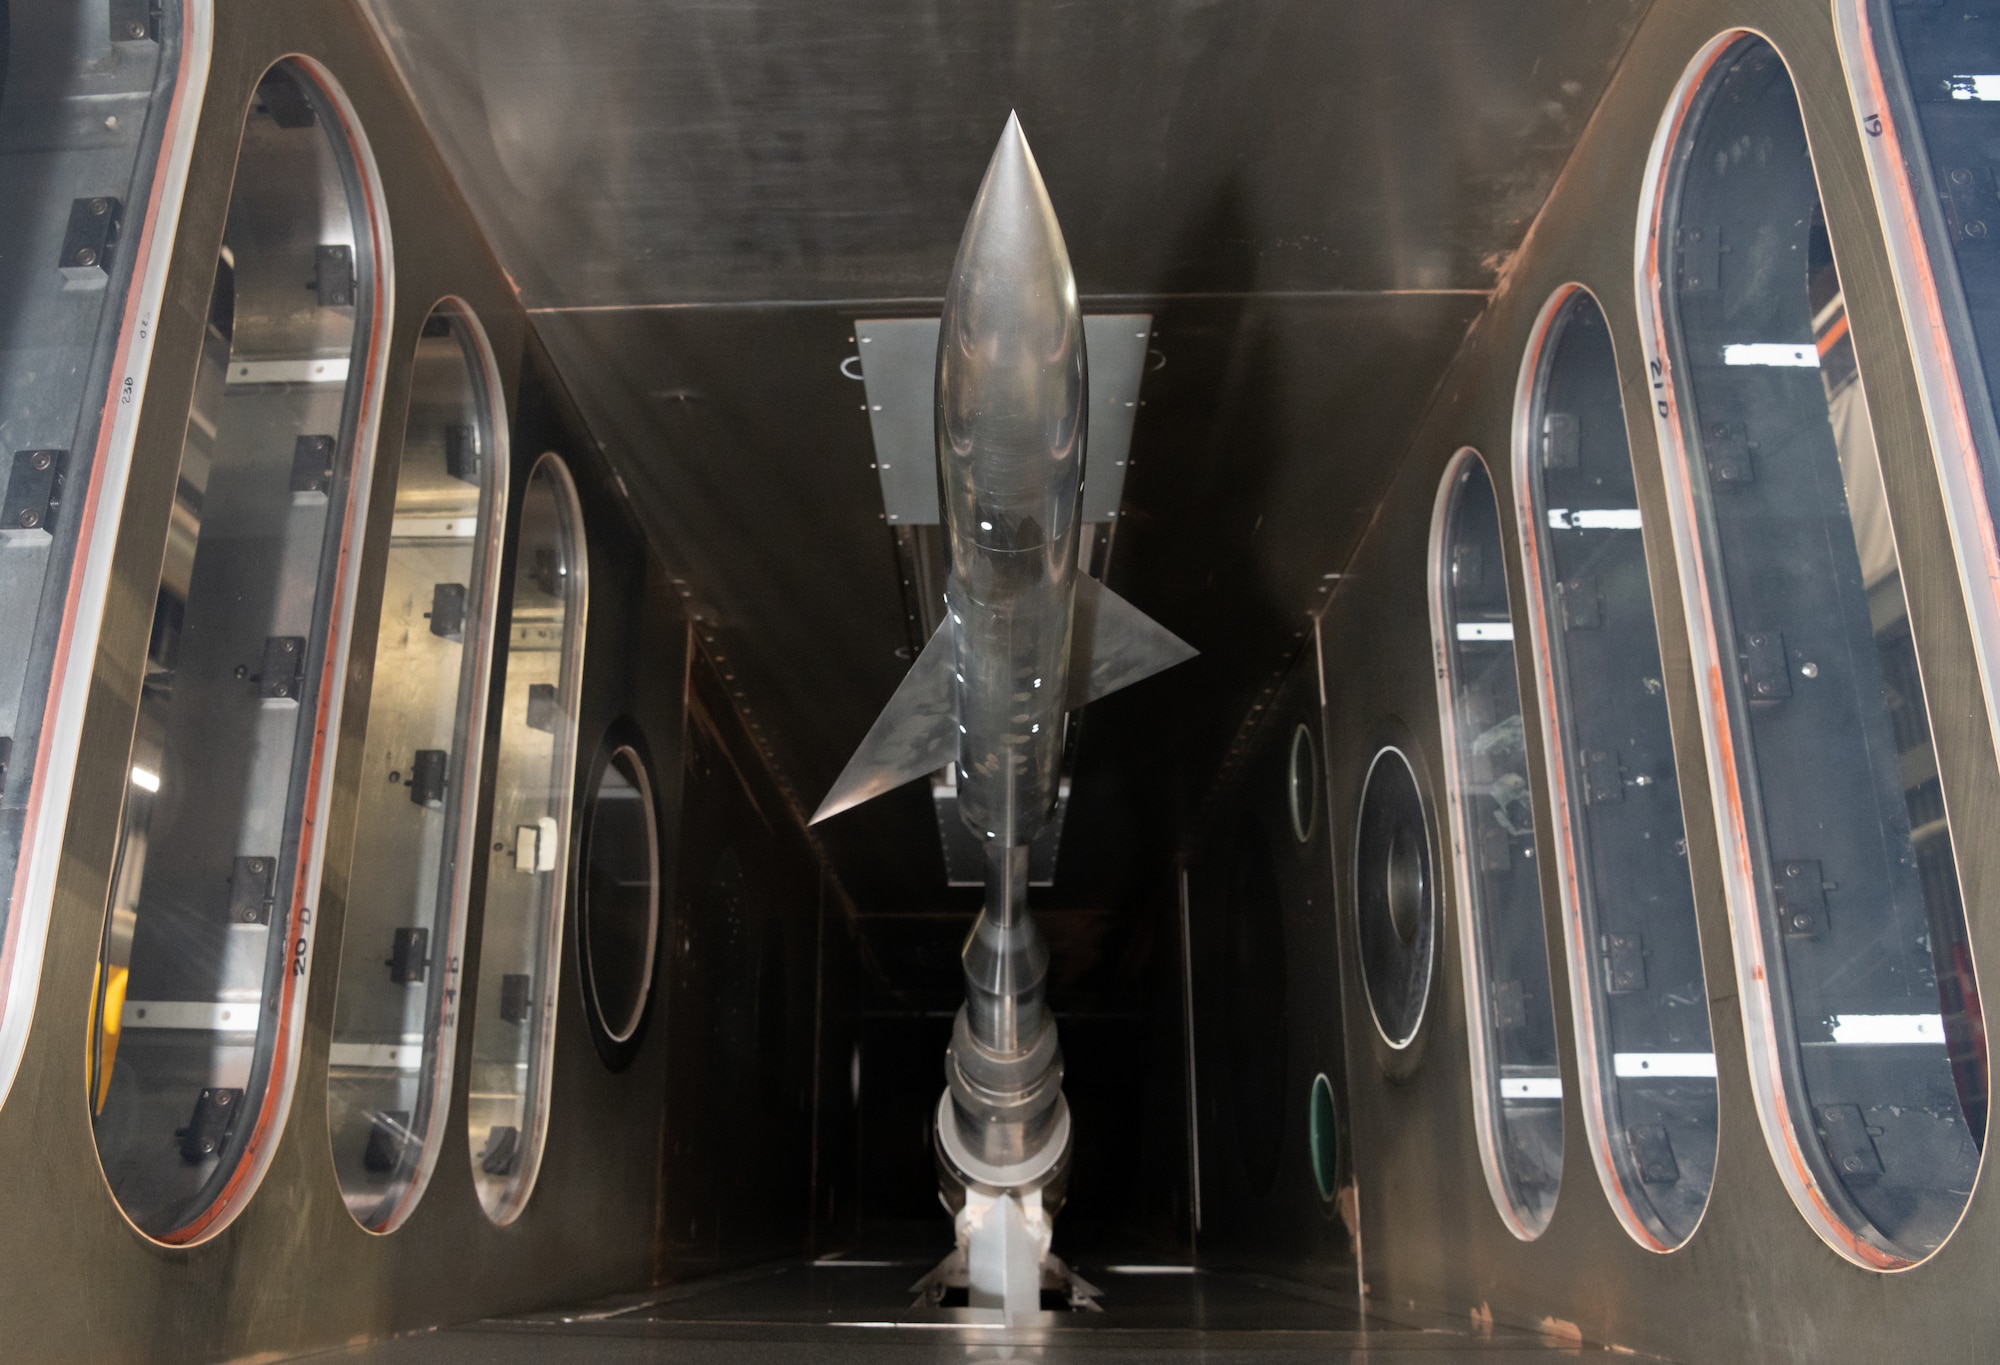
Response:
column 626, row 154
column 898, row 363
column 1011, row 428
column 293, row 1272
column 1011, row 425
column 856, row 1310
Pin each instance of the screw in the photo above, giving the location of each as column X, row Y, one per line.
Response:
column 85, row 256
column 136, row 30
column 100, row 207
column 42, row 459
column 1961, row 176
column 1975, row 228
column 30, row 518
column 1801, row 921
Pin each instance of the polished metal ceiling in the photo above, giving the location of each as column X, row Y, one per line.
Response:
column 698, row 201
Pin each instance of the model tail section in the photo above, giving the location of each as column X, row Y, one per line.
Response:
column 1112, row 645
column 916, row 733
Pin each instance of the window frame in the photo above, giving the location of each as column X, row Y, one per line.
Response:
column 1482, row 1051
column 519, row 1184
column 1579, row 924
column 1959, row 418
column 447, row 951
column 1765, row 1038
column 370, row 219
column 24, row 942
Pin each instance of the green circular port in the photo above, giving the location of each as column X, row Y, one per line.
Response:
column 1323, row 1137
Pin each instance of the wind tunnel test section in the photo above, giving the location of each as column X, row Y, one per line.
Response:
column 663, row 694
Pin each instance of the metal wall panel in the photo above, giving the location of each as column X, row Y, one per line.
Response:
column 1755, row 1282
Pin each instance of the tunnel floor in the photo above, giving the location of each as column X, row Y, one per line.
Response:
column 859, row 1310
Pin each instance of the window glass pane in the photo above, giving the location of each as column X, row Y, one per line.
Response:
column 1641, row 1006
column 1926, row 85
column 389, row 1069
column 514, row 1004
column 209, row 932
column 95, row 130
column 620, row 904
column 1516, row 1084
column 1852, row 962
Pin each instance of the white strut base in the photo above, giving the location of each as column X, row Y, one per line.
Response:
column 1005, row 1239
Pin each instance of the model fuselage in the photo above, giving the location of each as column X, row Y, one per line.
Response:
column 1012, row 388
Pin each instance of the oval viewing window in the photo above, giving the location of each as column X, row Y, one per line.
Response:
column 1925, row 81
column 514, row 1006
column 1517, row 1097
column 1852, row 962
column 396, row 1013
column 1302, row 784
column 1395, row 908
column 97, row 135
column 208, row 940
column 618, row 912
column 1640, row 1004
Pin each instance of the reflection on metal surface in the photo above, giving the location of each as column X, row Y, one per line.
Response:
column 899, row 367
column 403, row 941
column 626, row 154
column 1026, row 638
column 1842, row 881
column 1510, row 1012
column 514, row 1000
column 96, row 132
column 1636, row 983
column 210, row 926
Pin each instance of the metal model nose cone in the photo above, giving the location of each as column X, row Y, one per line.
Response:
column 1011, row 369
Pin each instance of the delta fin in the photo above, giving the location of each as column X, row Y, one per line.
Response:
column 916, row 733
column 1113, row 644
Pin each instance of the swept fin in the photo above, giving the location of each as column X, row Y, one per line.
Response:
column 1113, row 644
column 916, row 733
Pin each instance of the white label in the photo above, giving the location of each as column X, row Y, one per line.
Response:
column 1771, row 353
column 330, row 371
column 1633, row 1065
column 1594, row 519
column 1973, row 87
column 1888, row 1029
column 1485, row 630
column 525, row 839
column 433, row 528
column 1531, row 1087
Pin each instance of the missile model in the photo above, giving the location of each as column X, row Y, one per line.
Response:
column 1025, row 640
